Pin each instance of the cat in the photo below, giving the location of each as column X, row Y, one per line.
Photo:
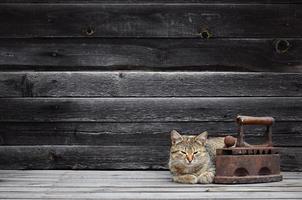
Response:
column 192, row 158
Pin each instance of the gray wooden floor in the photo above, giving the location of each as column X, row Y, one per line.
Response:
column 38, row 184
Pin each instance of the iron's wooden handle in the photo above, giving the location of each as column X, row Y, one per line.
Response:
column 248, row 120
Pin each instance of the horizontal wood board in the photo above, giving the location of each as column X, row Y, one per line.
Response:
column 106, row 157
column 71, row 184
column 157, row 1
column 285, row 134
column 147, row 109
column 149, row 84
column 244, row 54
column 163, row 20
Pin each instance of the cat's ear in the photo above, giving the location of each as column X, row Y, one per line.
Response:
column 175, row 137
column 202, row 138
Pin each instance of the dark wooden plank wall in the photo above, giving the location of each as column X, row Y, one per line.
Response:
column 99, row 84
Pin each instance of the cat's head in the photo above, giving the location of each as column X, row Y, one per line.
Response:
column 188, row 150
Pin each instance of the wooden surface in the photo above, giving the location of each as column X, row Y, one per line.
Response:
column 157, row 1
column 152, row 54
column 286, row 134
column 146, row 109
column 99, row 84
column 134, row 185
column 152, row 20
column 149, row 84
column 137, row 156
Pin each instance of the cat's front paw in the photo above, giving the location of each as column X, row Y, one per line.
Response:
column 191, row 179
column 206, row 178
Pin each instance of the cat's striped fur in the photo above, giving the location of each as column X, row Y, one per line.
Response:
column 192, row 158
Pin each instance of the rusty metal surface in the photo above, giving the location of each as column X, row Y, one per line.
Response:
column 247, row 179
column 248, row 151
column 247, row 168
column 246, row 163
column 247, row 120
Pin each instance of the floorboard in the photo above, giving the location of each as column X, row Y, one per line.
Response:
column 72, row 184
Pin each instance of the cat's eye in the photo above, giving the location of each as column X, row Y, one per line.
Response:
column 183, row 152
column 196, row 152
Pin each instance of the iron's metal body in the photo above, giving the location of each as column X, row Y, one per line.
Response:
column 249, row 163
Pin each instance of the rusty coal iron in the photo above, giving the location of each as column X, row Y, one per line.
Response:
column 245, row 163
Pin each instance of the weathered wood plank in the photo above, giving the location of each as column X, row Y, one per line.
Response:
column 77, row 181
column 136, row 184
column 284, row 133
column 81, row 157
column 151, row 54
column 136, row 198
column 69, row 180
column 106, row 157
column 152, row 195
column 118, row 174
column 76, row 190
column 148, row 84
column 154, row 20
column 147, row 109
column 157, row 1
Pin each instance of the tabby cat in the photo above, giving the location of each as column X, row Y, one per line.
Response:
column 192, row 158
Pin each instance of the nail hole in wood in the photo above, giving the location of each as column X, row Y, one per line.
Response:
column 52, row 156
column 2, row 140
column 282, row 46
column 89, row 31
column 205, row 34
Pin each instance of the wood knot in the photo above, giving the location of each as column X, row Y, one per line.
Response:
column 121, row 75
column 282, row 46
column 205, row 34
column 53, row 156
column 54, row 54
column 2, row 142
column 89, row 31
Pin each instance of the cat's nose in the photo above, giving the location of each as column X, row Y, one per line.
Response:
column 190, row 158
